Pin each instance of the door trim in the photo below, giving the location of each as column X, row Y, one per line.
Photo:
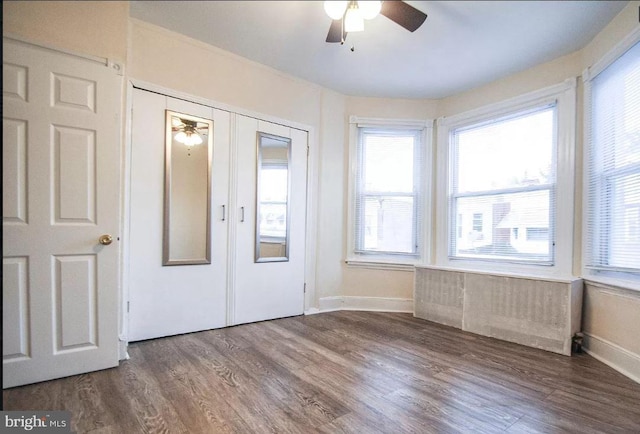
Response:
column 310, row 301
column 116, row 66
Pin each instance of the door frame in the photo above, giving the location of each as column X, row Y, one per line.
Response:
column 310, row 302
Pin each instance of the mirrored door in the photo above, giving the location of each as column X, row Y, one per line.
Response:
column 193, row 296
column 272, row 197
column 271, row 220
column 187, row 189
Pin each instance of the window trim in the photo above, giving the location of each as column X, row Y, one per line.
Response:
column 549, row 187
column 564, row 96
column 593, row 273
column 384, row 260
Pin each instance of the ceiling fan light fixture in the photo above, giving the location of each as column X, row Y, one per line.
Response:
column 369, row 9
column 188, row 139
column 353, row 20
column 193, row 139
column 181, row 137
column 335, row 9
column 189, row 136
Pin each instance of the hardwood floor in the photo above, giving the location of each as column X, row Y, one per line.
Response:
column 337, row 372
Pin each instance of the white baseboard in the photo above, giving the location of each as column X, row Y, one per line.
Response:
column 620, row 359
column 328, row 304
column 372, row 304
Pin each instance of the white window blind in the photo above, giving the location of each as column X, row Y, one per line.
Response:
column 613, row 166
column 387, row 191
column 502, row 197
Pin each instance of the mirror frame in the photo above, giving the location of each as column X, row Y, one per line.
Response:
column 287, row 140
column 166, row 244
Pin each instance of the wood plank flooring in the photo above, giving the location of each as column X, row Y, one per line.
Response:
column 352, row 372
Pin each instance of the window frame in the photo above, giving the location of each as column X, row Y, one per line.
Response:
column 607, row 275
column 372, row 259
column 563, row 95
column 548, row 187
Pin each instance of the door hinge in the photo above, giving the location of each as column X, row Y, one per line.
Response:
column 307, row 150
column 127, row 307
column 305, row 288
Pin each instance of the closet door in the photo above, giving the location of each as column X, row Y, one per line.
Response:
column 270, row 214
column 172, row 299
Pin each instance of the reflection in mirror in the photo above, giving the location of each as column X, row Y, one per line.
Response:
column 272, row 212
column 187, row 190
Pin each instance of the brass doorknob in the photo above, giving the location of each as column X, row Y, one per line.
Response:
column 105, row 240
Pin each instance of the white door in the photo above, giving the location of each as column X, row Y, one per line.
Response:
column 267, row 290
column 169, row 300
column 61, row 183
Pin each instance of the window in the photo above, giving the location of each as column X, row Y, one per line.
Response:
column 504, row 178
column 502, row 169
column 273, row 201
column 477, row 222
column 613, row 167
column 387, row 190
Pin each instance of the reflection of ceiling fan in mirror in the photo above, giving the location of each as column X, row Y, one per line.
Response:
column 349, row 16
column 188, row 132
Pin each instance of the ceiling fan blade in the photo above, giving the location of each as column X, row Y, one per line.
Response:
column 403, row 14
column 335, row 32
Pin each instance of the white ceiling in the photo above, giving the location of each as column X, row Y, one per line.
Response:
column 461, row 45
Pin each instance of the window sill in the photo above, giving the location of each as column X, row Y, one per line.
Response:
column 608, row 283
column 380, row 265
column 521, row 274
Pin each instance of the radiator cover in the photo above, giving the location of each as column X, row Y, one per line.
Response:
column 537, row 312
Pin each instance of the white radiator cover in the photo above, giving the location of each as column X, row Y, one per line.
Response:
column 537, row 312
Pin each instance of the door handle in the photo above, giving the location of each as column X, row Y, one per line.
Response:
column 105, row 239
column 224, row 213
column 241, row 214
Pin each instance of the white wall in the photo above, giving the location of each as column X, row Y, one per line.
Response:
column 164, row 58
column 331, row 196
column 611, row 325
column 88, row 27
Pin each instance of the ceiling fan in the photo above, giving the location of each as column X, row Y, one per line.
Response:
column 188, row 132
column 349, row 16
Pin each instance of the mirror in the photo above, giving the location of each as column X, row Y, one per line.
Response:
column 187, row 190
column 272, row 208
